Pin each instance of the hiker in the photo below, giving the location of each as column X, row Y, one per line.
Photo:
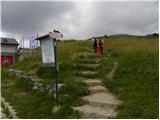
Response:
column 94, row 44
column 100, row 48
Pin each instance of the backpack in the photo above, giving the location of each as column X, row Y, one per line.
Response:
column 100, row 44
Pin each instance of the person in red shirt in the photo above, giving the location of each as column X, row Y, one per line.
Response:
column 100, row 48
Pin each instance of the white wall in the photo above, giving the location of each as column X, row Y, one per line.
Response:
column 8, row 48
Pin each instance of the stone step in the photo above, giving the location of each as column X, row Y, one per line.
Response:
column 89, row 61
column 99, row 88
column 93, row 112
column 86, row 55
column 3, row 116
column 101, row 99
column 92, row 82
column 88, row 66
column 87, row 74
column 1, row 108
column 91, row 65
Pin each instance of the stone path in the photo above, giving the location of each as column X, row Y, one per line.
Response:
column 101, row 103
column 36, row 84
column 3, row 115
column 9, row 107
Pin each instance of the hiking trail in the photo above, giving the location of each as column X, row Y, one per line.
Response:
column 100, row 103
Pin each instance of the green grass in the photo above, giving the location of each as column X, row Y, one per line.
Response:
column 85, row 67
column 39, row 104
column 135, row 81
column 27, row 102
column 27, row 107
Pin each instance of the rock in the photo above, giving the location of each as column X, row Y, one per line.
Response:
column 34, row 79
column 1, row 109
column 6, row 104
column 10, row 108
column 92, row 82
column 19, row 74
column 47, row 87
column 3, row 116
column 50, row 90
column 2, row 99
column 55, row 109
column 101, row 99
column 60, row 85
column 35, row 83
column 14, row 117
column 35, row 87
column 39, row 84
column 94, row 112
column 25, row 76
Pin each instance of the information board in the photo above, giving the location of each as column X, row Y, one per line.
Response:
column 48, row 56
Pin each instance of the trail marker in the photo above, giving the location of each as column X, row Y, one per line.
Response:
column 48, row 45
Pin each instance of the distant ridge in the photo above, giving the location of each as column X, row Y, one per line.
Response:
column 154, row 34
column 121, row 35
column 126, row 35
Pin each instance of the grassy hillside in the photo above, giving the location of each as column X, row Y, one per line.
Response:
column 136, row 78
column 135, row 81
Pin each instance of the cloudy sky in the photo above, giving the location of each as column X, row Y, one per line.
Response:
column 78, row 20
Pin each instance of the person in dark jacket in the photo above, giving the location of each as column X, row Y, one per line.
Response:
column 94, row 44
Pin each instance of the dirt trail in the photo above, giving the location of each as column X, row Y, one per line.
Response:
column 109, row 75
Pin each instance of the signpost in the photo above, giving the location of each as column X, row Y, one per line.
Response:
column 56, row 34
column 48, row 45
column 48, row 55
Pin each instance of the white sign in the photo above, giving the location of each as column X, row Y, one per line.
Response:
column 33, row 42
column 56, row 35
column 47, row 52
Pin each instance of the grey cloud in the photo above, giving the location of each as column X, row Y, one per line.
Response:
column 77, row 20
column 30, row 17
column 125, row 17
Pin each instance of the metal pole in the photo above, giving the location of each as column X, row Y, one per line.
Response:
column 56, row 68
column 32, row 55
column 37, row 47
column 23, row 47
column 37, row 53
column 23, row 41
